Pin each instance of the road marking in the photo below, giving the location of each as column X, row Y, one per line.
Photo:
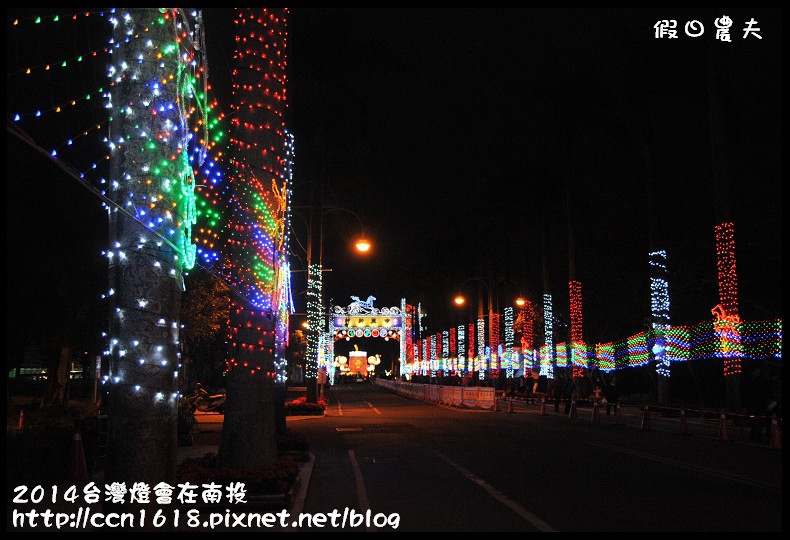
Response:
column 534, row 520
column 362, row 494
column 372, row 407
column 691, row 467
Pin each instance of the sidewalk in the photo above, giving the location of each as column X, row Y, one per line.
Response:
column 55, row 499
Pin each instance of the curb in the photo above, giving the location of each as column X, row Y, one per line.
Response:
column 305, row 472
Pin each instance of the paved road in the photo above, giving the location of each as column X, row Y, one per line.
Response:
column 415, row 466
column 434, row 468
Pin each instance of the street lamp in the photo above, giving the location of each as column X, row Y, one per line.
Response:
column 460, row 300
column 362, row 244
column 314, row 294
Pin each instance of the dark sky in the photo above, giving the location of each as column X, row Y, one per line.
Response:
column 458, row 134
column 462, row 137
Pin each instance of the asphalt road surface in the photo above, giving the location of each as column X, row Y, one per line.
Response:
column 416, row 466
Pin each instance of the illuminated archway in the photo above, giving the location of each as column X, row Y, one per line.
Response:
column 361, row 319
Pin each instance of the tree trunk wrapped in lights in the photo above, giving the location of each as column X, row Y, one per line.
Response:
column 152, row 188
column 255, row 247
column 248, row 433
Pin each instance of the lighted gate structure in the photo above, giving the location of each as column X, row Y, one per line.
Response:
column 361, row 319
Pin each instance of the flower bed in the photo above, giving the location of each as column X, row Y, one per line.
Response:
column 275, row 482
column 301, row 406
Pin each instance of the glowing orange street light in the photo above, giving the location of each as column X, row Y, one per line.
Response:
column 521, row 302
column 363, row 245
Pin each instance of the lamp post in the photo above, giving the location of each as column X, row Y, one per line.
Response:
column 361, row 244
column 460, row 300
column 315, row 305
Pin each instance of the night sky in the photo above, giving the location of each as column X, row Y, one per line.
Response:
column 464, row 137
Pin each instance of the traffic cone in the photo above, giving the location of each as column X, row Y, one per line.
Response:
column 572, row 413
column 723, row 427
column 776, row 437
column 78, row 470
column 595, row 416
column 543, row 407
column 510, row 405
column 618, row 416
column 683, row 427
column 21, row 419
column 646, row 424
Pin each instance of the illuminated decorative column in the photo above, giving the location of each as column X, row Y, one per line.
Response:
column 462, row 366
column 152, row 187
column 405, row 336
column 453, row 349
column 495, row 338
column 509, row 333
column 548, row 334
column 211, row 189
column 314, row 319
column 562, row 355
column 471, row 346
column 577, row 335
column 507, row 358
column 481, row 336
column 494, row 360
column 726, row 313
column 424, row 357
column 527, row 323
column 445, row 350
column 725, row 264
column 659, row 309
column 253, row 257
column 433, row 360
column 284, row 300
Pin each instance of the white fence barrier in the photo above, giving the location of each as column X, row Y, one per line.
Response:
column 479, row 397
